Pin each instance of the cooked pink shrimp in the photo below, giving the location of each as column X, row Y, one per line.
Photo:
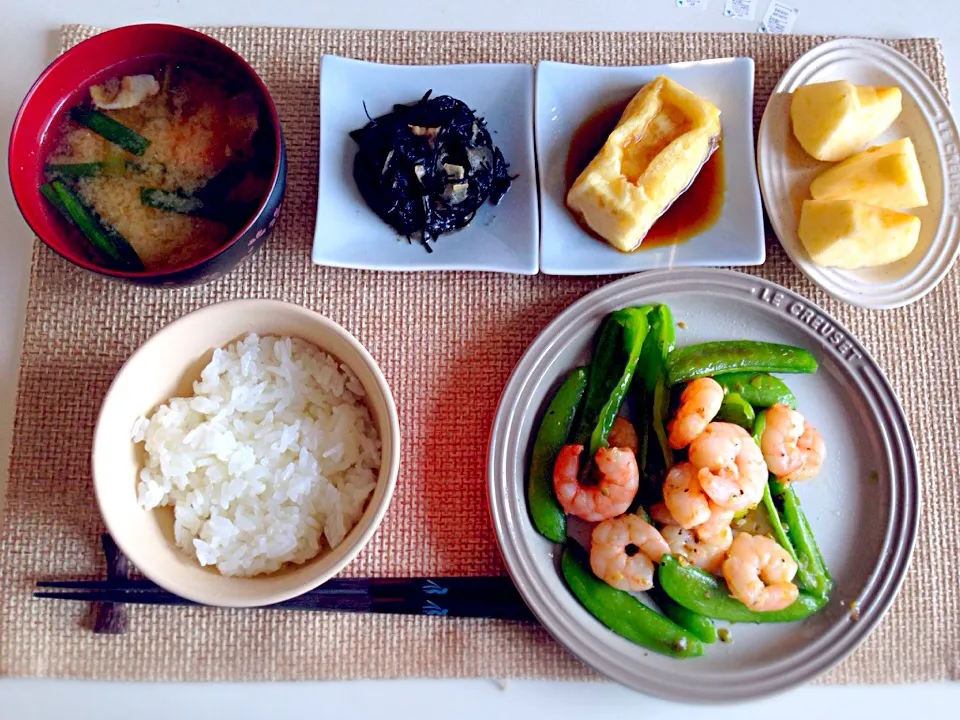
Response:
column 730, row 466
column 707, row 554
column 623, row 435
column 617, row 478
column 661, row 515
column 792, row 447
column 684, row 498
column 623, row 550
column 759, row 573
column 718, row 522
column 699, row 404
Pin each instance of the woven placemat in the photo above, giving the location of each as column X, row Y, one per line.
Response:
column 441, row 338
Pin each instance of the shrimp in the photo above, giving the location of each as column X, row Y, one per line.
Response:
column 661, row 515
column 730, row 466
column 759, row 573
column 706, row 553
column 792, row 447
column 717, row 523
column 684, row 498
column 623, row 435
column 617, row 475
column 623, row 551
column 699, row 404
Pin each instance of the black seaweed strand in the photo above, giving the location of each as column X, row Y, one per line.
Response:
column 426, row 168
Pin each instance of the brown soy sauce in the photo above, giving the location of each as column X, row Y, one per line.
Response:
column 692, row 212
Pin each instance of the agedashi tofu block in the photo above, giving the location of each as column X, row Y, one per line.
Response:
column 833, row 120
column 663, row 138
column 849, row 234
column 884, row 175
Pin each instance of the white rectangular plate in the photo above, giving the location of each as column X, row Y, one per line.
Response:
column 502, row 238
column 568, row 94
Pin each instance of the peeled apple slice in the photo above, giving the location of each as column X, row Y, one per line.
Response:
column 884, row 175
column 663, row 138
column 833, row 120
column 849, row 234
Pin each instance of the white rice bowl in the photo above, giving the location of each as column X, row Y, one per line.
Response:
column 271, row 461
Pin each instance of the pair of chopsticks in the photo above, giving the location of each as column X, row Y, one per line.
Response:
column 478, row 597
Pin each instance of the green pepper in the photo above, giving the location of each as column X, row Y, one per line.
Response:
column 634, row 324
column 623, row 613
column 548, row 517
column 601, row 379
column 734, row 409
column 663, row 329
column 759, row 389
column 711, row 358
column 707, row 595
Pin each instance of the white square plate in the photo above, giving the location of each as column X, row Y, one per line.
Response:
column 502, row 238
column 568, row 94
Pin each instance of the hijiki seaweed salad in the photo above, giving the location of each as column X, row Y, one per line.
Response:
column 426, row 168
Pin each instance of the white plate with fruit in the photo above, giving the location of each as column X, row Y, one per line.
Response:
column 872, row 221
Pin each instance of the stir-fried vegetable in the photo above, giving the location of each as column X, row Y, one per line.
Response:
column 710, row 358
column 548, row 516
column 709, row 596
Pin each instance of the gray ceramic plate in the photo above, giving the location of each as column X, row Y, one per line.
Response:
column 863, row 507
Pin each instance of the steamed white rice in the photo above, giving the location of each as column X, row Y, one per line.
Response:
column 271, row 461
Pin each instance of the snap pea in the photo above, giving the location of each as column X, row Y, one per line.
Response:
column 623, row 613
column 734, row 409
column 816, row 578
column 779, row 533
column 548, row 517
column 634, row 324
column 707, row 595
column 711, row 358
column 699, row 625
column 696, row 623
column 110, row 129
column 797, row 537
column 759, row 389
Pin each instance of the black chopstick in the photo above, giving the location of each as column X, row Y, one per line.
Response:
column 478, row 597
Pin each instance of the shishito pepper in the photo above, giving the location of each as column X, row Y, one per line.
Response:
column 623, row 613
column 548, row 517
column 707, row 595
column 711, row 358
column 761, row 390
column 616, row 355
column 654, row 373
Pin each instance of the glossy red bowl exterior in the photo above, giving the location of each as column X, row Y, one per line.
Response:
column 128, row 50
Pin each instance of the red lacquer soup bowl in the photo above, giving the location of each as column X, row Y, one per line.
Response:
column 127, row 51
